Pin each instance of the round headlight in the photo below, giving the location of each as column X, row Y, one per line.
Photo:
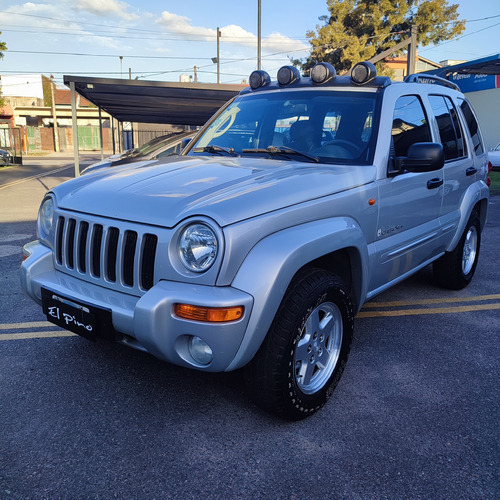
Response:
column 198, row 247
column 46, row 216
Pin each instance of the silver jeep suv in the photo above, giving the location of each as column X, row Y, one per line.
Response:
column 300, row 200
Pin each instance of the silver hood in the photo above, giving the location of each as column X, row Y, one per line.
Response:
column 226, row 189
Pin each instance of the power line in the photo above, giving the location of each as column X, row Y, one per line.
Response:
column 481, row 19
column 138, row 30
column 83, row 54
column 203, row 38
column 460, row 37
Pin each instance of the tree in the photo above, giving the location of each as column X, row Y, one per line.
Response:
column 3, row 48
column 357, row 30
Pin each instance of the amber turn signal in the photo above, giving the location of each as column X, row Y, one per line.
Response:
column 208, row 314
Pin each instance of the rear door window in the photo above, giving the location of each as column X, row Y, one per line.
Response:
column 473, row 127
column 450, row 131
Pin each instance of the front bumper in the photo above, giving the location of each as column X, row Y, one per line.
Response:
column 148, row 322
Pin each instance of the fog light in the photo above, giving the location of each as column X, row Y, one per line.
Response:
column 322, row 73
column 288, row 75
column 200, row 351
column 363, row 72
column 259, row 78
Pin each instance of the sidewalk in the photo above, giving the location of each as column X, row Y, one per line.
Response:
column 68, row 155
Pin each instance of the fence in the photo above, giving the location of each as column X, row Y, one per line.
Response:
column 143, row 136
column 39, row 139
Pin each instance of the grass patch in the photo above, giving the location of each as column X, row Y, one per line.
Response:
column 495, row 182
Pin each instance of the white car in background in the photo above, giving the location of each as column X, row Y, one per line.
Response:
column 157, row 148
column 494, row 157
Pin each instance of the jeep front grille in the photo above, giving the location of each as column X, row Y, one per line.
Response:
column 106, row 253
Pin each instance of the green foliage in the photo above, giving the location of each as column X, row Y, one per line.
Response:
column 357, row 30
column 3, row 48
column 47, row 93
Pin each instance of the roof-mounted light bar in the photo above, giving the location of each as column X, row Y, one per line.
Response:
column 363, row 72
column 288, row 75
column 259, row 79
column 322, row 73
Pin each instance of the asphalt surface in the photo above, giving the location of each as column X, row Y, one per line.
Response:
column 416, row 414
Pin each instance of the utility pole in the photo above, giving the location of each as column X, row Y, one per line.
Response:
column 218, row 55
column 121, row 61
column 195, row 74
column 75, row 129
column 259, row 36
column 54, row 117
column 411, row 65
column 411, row 60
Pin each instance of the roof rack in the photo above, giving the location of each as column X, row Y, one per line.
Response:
column 425, row 78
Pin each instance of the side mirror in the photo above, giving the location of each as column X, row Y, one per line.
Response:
column 421, row 157
column 185, row 142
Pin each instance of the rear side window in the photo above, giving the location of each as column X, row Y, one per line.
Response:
column 472, row 125
column 450, row 131
column 409, row 125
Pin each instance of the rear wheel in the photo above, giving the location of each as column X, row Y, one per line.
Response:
column 455, row 269
column 302, row 358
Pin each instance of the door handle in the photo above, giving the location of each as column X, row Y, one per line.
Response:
column 434, row 183
column 471, row 171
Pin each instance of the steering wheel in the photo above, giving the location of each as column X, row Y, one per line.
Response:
column 352, row 148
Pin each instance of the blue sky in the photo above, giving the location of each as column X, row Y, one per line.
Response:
column 162, row 40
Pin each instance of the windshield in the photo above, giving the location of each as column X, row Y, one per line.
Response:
column 322, row 125
column 152, row 145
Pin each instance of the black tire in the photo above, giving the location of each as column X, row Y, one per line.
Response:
column 454, row 270
column 303, row 356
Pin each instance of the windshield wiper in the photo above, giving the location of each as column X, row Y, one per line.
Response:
column 282, row 151
column 215, row 149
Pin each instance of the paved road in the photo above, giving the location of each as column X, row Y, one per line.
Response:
column 415, row 415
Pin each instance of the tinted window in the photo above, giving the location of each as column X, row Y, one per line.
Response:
column 409, row 124
column 449, row 127
column 172, row 150
column 473, row 127
column 336, row 127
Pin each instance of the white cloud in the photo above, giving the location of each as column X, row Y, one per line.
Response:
column 47, row 25
column 180, row 25
column 105, row 8
column 233, row 34
column 42, row 17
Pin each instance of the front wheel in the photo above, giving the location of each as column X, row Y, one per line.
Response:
column 454, row 270
column 303, row 356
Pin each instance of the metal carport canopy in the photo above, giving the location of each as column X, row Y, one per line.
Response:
column 154, row 102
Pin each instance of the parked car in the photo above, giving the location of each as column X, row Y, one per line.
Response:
column 255, row 249
column 494, row 157
column 5, row 157
column 158, row 147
